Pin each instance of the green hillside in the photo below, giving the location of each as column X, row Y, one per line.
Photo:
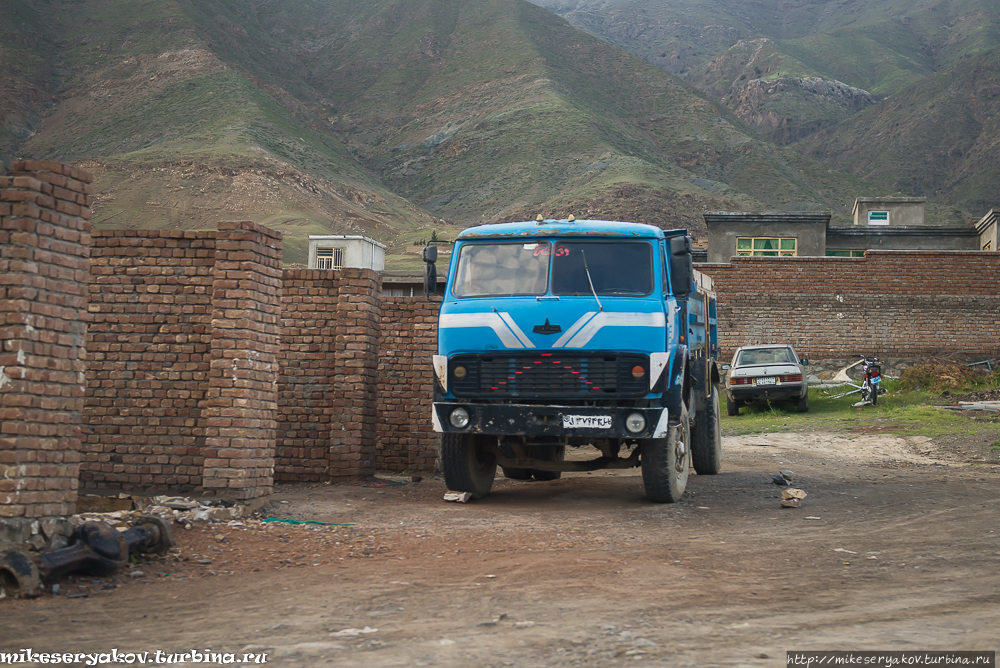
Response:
column 938, row 138
column 181, row 130
column 393, row 120
column 27, row 76
column 879, row 45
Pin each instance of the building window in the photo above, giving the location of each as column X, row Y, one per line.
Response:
column 878, row 217
column 329, row 258
column 766, row 246
column 845, row 253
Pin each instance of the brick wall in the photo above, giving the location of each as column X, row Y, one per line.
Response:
column 241, row 404
column 889, row 303
column 212, row 371
column 406, row 384
column 356, row 341
column 44, row 260
column 305, row 386
column 149, row 345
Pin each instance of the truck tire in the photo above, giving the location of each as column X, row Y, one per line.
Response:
column 468, row 466
column 706, row 445
column 512, row 473
column 665, row 463
column 556, row 453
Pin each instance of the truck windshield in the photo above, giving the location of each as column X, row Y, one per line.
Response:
column 617, row 268
column 487, row 270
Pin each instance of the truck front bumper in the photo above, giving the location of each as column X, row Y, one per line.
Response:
column 528, row 420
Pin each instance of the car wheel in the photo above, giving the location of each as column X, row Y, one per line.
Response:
column 665, row 463
column 556, row 453
column 803, row 404
column 706, row 447
column 732, row 407
column 509, row 472
column 468, row 465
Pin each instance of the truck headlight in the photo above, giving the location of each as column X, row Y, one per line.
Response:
column 459, row 418
column 635, row 423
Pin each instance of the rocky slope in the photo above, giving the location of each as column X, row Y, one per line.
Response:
column 940, row 138
column 388, row 120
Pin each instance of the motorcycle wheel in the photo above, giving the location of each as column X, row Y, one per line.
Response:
column 874, row 394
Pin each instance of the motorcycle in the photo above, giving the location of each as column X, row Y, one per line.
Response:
column 871, row 385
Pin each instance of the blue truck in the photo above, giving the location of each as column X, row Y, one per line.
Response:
column 557, row 334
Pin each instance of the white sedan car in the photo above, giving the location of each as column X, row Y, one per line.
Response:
column 766, row 373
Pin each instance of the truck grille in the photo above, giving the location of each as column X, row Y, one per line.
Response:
column 549, row 375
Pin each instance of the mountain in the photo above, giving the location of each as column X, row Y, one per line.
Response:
column 939, row 138
column 387, row 119
column 776, row 94
column 401, row 120
column 790, row 68
column 182, row 127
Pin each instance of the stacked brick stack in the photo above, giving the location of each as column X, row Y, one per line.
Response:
column 149, row 343
column 353, row 428
column 889, row 303
column 242, row 402
column 305, row 387
column 44, row 261
column 405, row 384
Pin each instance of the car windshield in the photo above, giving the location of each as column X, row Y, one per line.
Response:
column 617, row 268
column 490, row 270
column 758, row 356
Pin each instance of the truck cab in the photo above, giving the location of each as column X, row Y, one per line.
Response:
column 557, row 334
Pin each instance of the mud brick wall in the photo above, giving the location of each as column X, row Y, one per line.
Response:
column 306, row 397
column 44, row 260
column 889, row 303
column 149, row 343
column 241, row 405
column 356, row 348
column 406, row 440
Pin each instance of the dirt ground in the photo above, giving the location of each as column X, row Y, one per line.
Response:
column 896, row 547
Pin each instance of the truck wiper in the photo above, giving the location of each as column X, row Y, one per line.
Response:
column 592, row 290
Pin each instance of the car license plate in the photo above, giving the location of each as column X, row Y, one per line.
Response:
column 767, row 381
column 586, row 422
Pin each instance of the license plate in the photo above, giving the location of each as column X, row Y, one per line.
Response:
column 767, row 381
column 586, row 422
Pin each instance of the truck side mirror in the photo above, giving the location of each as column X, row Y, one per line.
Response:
column 681, row 266
column 430, row 270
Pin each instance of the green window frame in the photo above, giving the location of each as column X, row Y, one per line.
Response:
column 767, row 246
column 845, row 253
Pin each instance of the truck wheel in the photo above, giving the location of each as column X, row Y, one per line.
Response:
column 512, row 473
column 556, row 453
column 468, row 466
column 706, row 446
column 665, row 463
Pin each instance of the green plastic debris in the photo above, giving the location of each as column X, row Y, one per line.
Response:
column 278, row 519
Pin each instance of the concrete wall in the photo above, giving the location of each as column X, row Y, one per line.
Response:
column 725, row 227
column 903, row 211
column 359, row 252
column 864, row 237
column 988, row 229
